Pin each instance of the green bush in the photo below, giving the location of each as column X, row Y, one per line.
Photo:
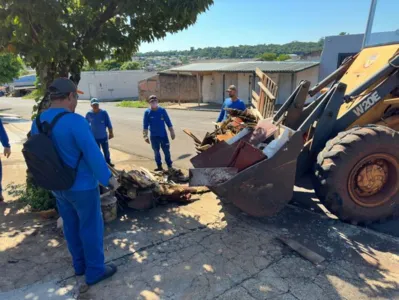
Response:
column 37, row 198
column 131, row 65
column 133, row 104
column 33, row 95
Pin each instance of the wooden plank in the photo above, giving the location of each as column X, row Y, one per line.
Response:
column 259, row 73
column 267, row 92
column 257, row 113
column 255, row 103
column 255, row 96
column 302, row 250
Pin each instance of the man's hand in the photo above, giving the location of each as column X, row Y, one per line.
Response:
column 113, row 183
column 145, row 136
column 110, row 135
column 172, row 133
column 7, row 152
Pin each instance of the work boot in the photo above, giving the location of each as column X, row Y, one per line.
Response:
column 110, row 270
column 1, row 198
column 159, row 169
column 111, row 164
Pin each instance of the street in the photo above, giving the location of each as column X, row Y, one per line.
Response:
column 203, row 250
column 128, row 127
column 127, row 124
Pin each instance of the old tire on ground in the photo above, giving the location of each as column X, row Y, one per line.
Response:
column 357, row 174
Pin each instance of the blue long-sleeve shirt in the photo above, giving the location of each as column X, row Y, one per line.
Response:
column 3, row 136
column 228, row 103
column 72, row 137
column 155, row 121
column 99, row 122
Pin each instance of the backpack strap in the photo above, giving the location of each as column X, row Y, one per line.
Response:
column 39, row 124
column 56, row 118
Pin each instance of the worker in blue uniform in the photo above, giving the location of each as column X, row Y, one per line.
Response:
column 231, row 102
column 80, row 206
column 7, row 152
column 155, row 119
column 99, row 123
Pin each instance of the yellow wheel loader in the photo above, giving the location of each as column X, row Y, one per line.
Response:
column 347, row 138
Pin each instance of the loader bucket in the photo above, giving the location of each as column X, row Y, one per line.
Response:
column 258, row 186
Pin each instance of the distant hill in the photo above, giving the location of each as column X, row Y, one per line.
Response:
column 244, row 51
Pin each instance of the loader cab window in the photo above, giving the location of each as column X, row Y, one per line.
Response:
column 383, row 25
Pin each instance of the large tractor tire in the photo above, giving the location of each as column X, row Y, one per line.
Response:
column 357, row 174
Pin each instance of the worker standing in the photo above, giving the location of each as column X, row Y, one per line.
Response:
column 7, row 152
column 155, row 119
column 99, row 123
column 232, row 102
column 80, row 205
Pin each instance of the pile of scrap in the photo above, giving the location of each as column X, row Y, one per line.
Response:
column 141, row 189
column 237, row 120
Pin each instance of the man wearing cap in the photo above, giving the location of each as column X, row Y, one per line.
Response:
column 232, row 102
column 155, row 119
column 99, row 123
column 80, row 206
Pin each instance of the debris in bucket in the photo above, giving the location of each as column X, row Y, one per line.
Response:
column 141, row 189
column 237, row 120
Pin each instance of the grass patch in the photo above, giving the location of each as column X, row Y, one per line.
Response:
column 35, row 94
column 133, row 104
column 36, row 198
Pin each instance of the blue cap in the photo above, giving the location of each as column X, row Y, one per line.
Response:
column 94, row 101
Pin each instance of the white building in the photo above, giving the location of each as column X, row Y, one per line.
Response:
column 214, row 78
column 112, row 85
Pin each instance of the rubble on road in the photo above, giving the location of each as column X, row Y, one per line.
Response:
column 237, row 121
column 141, row 189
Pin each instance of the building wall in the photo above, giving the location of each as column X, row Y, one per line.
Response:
column 333, row 46
column 165, row 86
column 243, row 87
column 284, row 87
column 112, row 85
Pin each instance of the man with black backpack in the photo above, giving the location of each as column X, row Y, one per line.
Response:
column 62, row 156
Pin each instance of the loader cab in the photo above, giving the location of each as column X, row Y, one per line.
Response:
column 382, row 26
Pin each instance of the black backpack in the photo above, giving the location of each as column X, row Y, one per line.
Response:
column 43, row 161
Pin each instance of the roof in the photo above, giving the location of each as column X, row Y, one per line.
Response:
column 248, row 67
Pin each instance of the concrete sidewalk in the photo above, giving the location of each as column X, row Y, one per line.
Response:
column 204, row 250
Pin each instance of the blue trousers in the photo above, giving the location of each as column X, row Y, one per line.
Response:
column 103, row 143
column 157, row 143
column 1, row 177
column 83, row 230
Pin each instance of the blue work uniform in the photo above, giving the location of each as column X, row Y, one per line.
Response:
column 228, row 103
column 80, row 206
column 155, row 120
column 99, row 122
column 6, row 144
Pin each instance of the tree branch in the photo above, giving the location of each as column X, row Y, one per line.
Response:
column 109, row 12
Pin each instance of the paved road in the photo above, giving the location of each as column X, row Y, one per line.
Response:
column 127, row 124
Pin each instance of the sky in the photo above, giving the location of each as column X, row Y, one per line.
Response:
column 251, row 22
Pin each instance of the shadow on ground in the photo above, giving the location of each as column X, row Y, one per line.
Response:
column 204, row 251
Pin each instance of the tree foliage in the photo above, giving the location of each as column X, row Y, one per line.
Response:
column 131, row 65
column 244, row 51
column 10, row 67
column 57, row 36
column 283, row 57
column 268, row 56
